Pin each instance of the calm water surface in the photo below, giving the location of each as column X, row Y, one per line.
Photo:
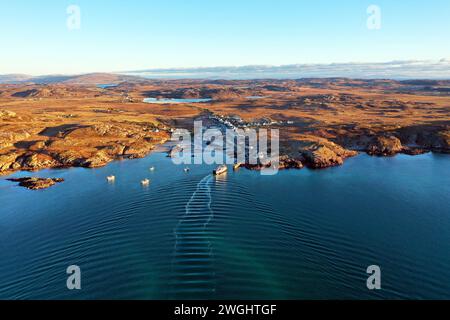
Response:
column 297, row 235
column 175, row 101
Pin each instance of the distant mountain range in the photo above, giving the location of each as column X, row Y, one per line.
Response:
column 91, row 78
column 397, row 70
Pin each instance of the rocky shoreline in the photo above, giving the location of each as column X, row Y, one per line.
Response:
column 307, row 151
column 83, row 146
column 319, row 153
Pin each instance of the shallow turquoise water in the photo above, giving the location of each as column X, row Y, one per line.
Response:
column 297, row 235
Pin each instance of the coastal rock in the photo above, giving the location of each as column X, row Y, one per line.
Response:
column 321, row 153
column 285, row 162
column 444, row 141
column 289, row 163
column 33, row 183
column 414, row 151
column 100, row 159
column 434, row 138
column 36, row 161
column 385, row 146
column 7, row 161
column 68, row 158
column 391, row 141
column 137, row 149
column 115, row 150
column 322, row 157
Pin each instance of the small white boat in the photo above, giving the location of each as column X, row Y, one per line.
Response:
column 187, row 169
column 145, row 182
column 220, row 170
column 111, row 178
column 152, row 168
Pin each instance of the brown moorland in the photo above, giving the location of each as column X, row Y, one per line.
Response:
column 322, row 121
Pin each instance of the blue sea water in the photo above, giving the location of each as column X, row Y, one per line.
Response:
column 175, row 101
column 301, row 234
column 107, row 85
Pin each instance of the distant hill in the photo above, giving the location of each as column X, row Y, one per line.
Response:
column 14, row 78
column 423, row 82
column 101, row 78
column 412, row 71
column 397, row 70
column 84, row 79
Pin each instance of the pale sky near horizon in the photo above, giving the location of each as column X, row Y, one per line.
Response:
column 118, row 36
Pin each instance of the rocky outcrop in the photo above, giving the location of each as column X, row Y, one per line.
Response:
column 7, row 161
column 391, row 140
column 434, row 139
column 33, row 183
column 444, row 138
column 100, row 159
column 285, row 162
column 99, row 130
column 6, row 114
column 35, row 143
column 5, row 144
column 35, row 161
column 68, row 158
column 115, row 149
column 28, row 161
column 309, row 151
column 318, row 153
column 385, row 146
column 137, row 149
column 8, row 137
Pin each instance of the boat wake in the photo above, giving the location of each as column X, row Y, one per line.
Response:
column 193, row 260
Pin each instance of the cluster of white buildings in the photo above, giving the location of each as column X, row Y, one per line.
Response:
column 236, row 122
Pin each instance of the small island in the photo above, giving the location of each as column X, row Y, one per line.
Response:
column 33, row 183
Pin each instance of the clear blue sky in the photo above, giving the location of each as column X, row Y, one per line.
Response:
column 118, row 35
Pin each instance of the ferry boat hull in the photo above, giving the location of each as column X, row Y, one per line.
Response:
column 220, row 170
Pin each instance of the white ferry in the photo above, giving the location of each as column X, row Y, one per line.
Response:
column 220, row 170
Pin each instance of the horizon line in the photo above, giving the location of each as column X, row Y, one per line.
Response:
column 141, row 70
